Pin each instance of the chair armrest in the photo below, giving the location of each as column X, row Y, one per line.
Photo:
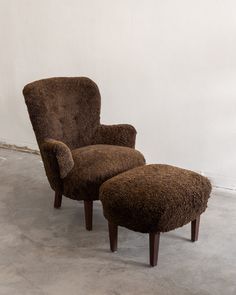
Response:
column 56, row 151
column 121, row 134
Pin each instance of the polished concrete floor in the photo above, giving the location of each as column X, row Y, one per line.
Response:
column 48, row 251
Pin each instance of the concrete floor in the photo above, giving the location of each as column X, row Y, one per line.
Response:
column 48, row 251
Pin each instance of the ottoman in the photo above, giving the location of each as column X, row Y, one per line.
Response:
column 153, row 199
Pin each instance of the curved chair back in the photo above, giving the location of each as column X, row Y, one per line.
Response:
column 65, row 109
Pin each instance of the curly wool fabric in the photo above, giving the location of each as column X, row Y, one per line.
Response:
column 57, row 151
column 65, row 114
column 154, row 198
column 94, row 165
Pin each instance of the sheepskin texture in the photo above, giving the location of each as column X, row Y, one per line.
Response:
column 122, row 135
column 95, row 164
column 154, row 198
column 65, row 115
column 57, row 157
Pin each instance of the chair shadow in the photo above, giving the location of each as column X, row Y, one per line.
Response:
column 176, row 237
column 113, row 258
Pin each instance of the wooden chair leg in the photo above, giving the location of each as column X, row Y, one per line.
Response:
column 88, row 210
column 57, row 200
column 154, row 239
column 113, row 234
column 195, row 229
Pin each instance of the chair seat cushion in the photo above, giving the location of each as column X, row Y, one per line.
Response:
column 154, row 198
column 95, row 164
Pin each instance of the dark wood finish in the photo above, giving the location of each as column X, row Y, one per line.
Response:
column 57, row 200
column 113, row 234
column 154, row 239
column 195, row 229
column 88, row 211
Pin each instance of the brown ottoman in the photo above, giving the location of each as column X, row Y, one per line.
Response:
column 153, row 199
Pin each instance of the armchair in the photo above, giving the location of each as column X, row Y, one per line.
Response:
column 78, row 152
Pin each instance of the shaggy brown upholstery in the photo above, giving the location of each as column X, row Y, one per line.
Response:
column 78, row 152
column 94, row 165
column 154, row 198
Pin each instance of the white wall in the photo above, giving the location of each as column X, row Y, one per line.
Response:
column 168, row 67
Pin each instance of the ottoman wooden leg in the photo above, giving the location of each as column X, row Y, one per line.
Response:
column 113, row 234
column 88, row 211
column 57, row 200
column 195, row 229
column 154, row 239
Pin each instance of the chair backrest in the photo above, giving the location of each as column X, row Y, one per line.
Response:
column 65, row 109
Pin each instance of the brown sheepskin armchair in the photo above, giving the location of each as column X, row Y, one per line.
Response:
column 78, row 153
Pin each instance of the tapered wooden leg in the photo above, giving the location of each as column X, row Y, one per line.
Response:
column 88, row 211
column 113, row 234
column 195, row 229
column 154, row 239
column 57, row 200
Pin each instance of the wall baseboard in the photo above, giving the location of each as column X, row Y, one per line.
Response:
column 14, row 147
column 31, row 145
column 218, row 181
